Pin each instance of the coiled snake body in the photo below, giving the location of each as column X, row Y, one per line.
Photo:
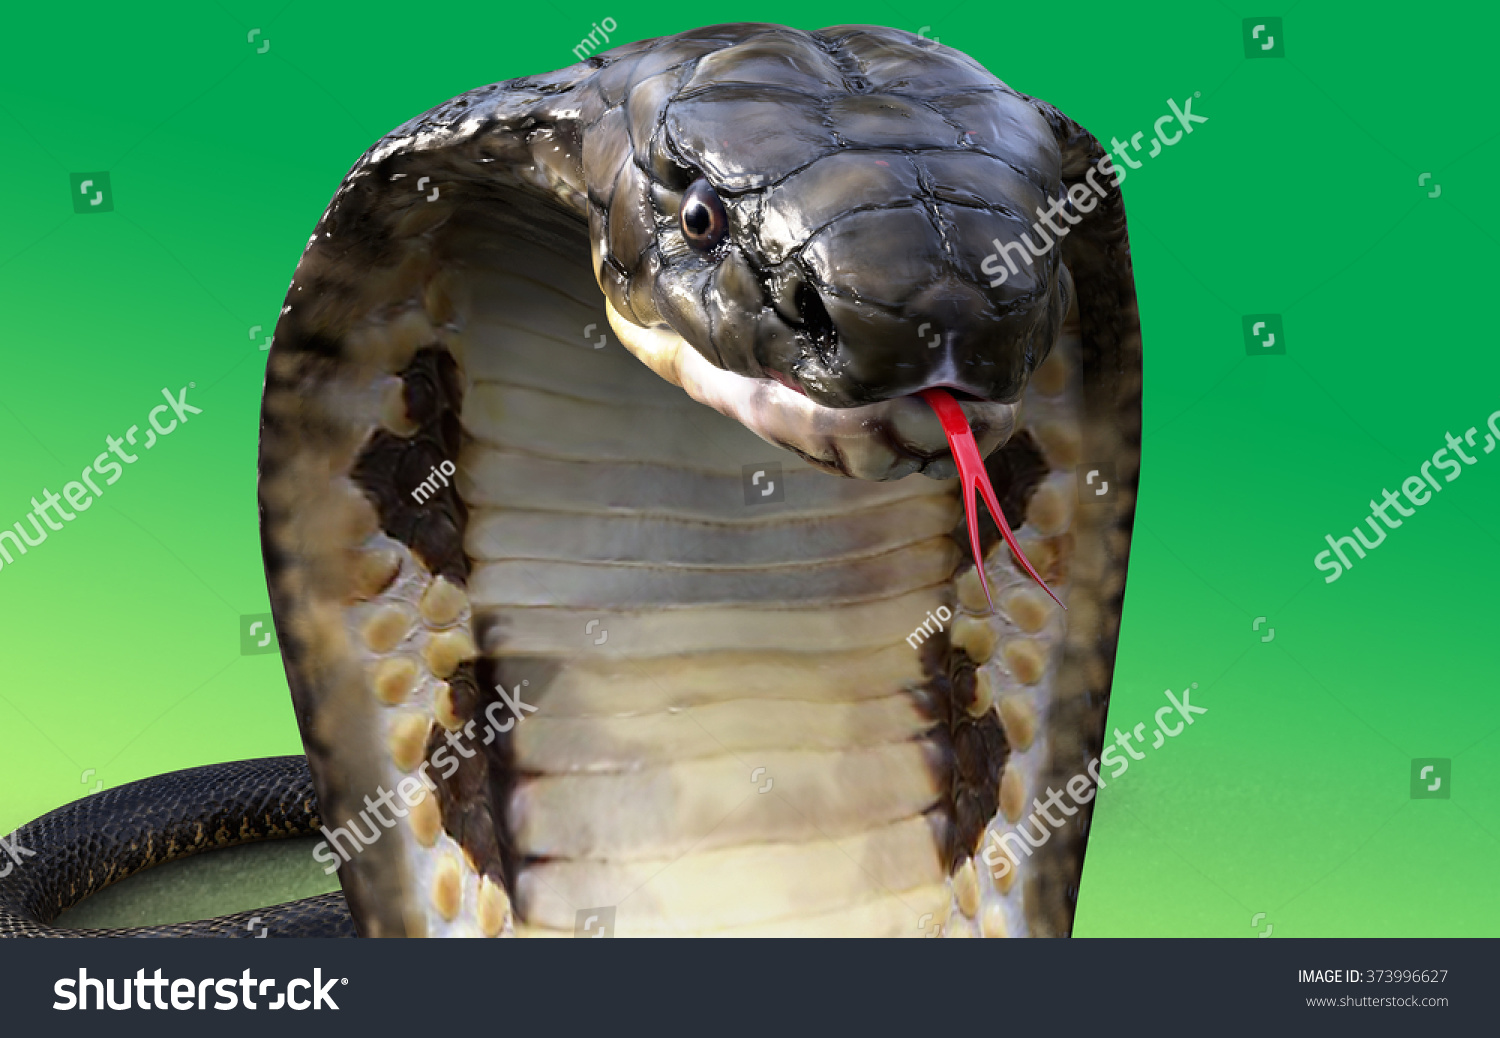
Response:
column 664, row 633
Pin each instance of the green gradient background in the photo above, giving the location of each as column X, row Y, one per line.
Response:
column 1299, row 196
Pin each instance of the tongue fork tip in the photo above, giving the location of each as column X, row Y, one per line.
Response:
column 972, row 474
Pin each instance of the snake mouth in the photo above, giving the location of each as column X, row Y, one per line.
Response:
column 785, row 380
column 887, row 440
column 958, row 393
column 963, row 396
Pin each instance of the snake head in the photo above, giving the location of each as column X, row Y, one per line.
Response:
column 801, row 228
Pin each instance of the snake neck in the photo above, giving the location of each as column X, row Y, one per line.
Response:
column 655, row 668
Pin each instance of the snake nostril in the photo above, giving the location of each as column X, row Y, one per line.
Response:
column 815, row 320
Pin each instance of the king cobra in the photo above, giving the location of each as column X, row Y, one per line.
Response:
column 687, row 634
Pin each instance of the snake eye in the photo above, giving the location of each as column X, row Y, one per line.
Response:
column 702, row 216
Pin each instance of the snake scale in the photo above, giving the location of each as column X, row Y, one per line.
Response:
column 665, row 627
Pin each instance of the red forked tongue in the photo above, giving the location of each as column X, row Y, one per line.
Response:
column 971, row 474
